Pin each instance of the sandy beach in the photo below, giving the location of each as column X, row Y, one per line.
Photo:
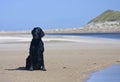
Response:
column 67, row 59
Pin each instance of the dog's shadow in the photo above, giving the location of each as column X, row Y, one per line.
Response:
column 19, row 69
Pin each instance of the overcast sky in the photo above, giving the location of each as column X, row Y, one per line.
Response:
column 47, row 14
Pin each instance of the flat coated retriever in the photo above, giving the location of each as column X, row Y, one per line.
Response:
column 35, row 60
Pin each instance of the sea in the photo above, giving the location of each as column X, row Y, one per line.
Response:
column 109, row 74
column 60, row 37
column 96, row 35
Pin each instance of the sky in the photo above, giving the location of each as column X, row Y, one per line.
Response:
column 50, row 14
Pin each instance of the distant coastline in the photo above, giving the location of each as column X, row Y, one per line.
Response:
column 107, row 22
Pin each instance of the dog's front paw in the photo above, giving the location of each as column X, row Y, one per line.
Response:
column 31, row 68
column 43, row 69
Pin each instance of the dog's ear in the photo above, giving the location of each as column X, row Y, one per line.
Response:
column 32, row 32
column 41, row 32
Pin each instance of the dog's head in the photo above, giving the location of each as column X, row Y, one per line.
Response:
column 37, row 33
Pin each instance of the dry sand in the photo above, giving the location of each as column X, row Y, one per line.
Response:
column 65, row 61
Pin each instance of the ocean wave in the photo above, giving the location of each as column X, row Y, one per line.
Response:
column 5, row 39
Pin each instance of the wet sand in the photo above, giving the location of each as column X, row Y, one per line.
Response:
column 65, row 61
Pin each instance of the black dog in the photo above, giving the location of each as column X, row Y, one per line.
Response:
column 35, row 60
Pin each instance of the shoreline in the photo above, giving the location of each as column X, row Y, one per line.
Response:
column 7, row 39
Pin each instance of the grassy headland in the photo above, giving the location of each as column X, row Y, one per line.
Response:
column 108, row 21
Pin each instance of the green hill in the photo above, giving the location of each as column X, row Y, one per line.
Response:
column 107, row 22
column 109, row 15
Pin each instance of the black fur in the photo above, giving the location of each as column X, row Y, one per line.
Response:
column 35, row 60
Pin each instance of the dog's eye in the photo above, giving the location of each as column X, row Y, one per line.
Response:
column 37, row 30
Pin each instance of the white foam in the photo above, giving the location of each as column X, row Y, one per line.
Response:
column 8, row 38
column 4, row 39
column 15, row 39
column 28, row 39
